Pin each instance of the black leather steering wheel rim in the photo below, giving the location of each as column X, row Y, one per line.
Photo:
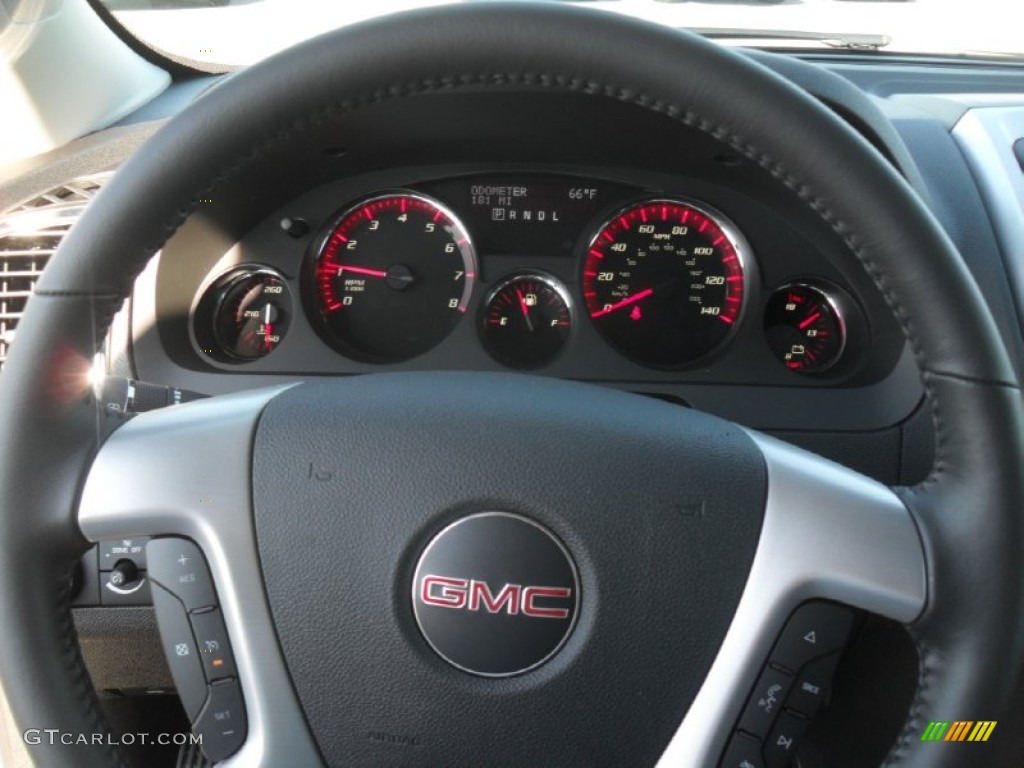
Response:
column 966, row 510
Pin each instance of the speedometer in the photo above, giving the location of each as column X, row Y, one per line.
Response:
column 664, row 282
column 393, row 277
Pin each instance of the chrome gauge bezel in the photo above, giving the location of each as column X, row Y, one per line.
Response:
column 736, row 239
column 542, row 277
column 838, row 302
column 210, row 301
column 311, row 296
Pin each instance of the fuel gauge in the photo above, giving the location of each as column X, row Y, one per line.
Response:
column 526, row 321
column 805, row 328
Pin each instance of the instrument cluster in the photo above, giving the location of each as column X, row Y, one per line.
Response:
column 663, row 280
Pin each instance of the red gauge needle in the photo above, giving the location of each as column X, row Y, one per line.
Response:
column 809, row 320
column 526, row 309
column 268, row 331
column 624, row 303
column 363, row 271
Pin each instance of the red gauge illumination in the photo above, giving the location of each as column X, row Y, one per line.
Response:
column 663, row 282
column 526, row 321
column 805, row 328
column 244, row 315
column 393, row 277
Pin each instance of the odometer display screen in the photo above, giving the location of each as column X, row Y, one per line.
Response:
column 664, row 283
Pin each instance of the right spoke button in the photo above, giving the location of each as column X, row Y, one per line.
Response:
column 815, row 629
column 780, row 746
column 178, row 566
column 812, row 684
column 743, row 752
column 765, row 701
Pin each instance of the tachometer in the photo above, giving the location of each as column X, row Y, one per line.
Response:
column 393, row 277
column 664, row 283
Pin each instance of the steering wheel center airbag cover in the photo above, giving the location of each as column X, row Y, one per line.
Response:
column 659, row 506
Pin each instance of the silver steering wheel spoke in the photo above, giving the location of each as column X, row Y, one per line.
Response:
column 186, row 471
column 829, row 533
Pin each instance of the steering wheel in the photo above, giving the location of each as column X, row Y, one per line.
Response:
column 320, row 506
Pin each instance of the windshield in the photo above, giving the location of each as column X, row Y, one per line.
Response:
column 239, row 32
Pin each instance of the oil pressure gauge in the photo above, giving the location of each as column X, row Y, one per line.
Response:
column 805, row 327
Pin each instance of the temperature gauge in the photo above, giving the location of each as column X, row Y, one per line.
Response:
column 805, row 328
column 246, row 314
column 526, row 321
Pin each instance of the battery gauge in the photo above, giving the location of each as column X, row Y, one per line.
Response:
column 805, row 327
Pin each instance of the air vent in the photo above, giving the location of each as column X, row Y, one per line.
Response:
column 29, row 234
column 78, row 191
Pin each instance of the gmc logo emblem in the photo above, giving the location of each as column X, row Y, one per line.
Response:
column 473, row 595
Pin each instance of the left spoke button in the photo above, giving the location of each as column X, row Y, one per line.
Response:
column 179, row 567
column 180, row 650
column 223, row 724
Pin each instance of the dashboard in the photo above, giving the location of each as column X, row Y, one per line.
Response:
column 686, row 288
column 579, row 274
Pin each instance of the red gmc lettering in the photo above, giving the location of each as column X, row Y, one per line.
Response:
column 478, row 590
column 444, row 593
column 472, row 595
column 532, row 593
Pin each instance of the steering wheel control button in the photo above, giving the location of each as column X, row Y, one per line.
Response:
column 812, row 685
column 178, row 566
column 815, row 629
column 743, row 751
column 222, row 724
column 793, row 685
column 765, row 701
column 496, row 594
column 123, row 549
column 180, row 650
column 780, row 746
column 212, row 641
